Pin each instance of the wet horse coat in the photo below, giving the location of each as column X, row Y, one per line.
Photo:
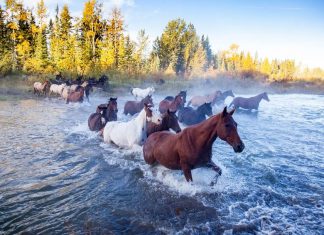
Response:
column 132, row 107
column 192, row 147
column 189, row 116
column 173, row 106
column 249, row 103
column 169, row 120
column 104, row 113
column 127, row 134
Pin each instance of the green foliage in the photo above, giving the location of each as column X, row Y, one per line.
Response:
column 92, row 45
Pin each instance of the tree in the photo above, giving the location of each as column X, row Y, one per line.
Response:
column 265, row 67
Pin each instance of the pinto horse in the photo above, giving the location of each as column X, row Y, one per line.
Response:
column 40, row 88
column 192, row 147
column 189, row 116
column 173, row 106
column 127, row 134
column 249, row 103
column 200, row 100
column 104, row 113
column 132, row 107
column 169, row 121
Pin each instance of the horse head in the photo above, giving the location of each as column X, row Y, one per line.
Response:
column 148, row 100
column 178, row 102
column 227, row 130
column 183, row 94
column 170, row 120
column 112, row 105
column 265, row 96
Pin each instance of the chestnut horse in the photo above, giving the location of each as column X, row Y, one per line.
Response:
column 169, row 121
column 104, row 113
column 249, row 103
column 132, row 107
column 189, row 116
column 192, row 147
column 40, row 88
column 75, row 96
column 183, row 94
column 173, row 106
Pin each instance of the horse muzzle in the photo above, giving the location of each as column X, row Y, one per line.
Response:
column 239, row 147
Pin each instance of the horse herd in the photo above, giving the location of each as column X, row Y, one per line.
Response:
column 185, row 149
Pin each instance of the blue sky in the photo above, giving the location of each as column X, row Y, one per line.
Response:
column 277, row 29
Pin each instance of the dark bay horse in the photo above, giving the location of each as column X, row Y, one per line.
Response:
column 133, row 107
column 192, row 147
column 87, row 87
column 104, row 113
column 223, row 96
column 169, row 121
column 190, row 116
column 173, row 106
column 249, row 103
column 183, row 94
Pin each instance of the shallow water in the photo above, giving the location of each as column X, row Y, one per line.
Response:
column 56, row 177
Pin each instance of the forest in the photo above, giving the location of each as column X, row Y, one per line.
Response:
column 93, row 44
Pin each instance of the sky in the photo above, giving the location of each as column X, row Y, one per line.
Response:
column 283, row 29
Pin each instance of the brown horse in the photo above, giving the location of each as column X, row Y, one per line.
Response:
column 75, row 96
column 173, row 106
column 189, row 116
column 249, row 103
column 169, row 120
column 132, row 107
column 183, row 94
column 192, row 147
column 104, row 113
column 40, row 88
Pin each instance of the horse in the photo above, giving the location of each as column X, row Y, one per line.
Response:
column 127, row 134
column 169, row 121
column 142, row 93
column 87, row 88
column 132, row 107
column 200, row 100
column 104, row 113
column 173, row 106
column 56, row 89
column 249, row 103
column 192, row 147
column 40, row 88
column 189, row 116
column 75, row 96
column 223, row 96
column 65, row 92
column 183, row 94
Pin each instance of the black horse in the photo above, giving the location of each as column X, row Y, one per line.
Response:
column 190, row 116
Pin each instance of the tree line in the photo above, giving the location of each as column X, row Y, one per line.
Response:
column 91, row 45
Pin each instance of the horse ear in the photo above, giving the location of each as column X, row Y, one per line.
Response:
column 231, row 112
column 224, row 112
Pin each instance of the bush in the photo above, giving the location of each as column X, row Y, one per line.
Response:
column 6, row 64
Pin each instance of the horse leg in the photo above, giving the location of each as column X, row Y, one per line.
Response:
column 216, row 168
column 187, row 171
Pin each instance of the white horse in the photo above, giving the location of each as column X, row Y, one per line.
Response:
column 57, row 89
column 142, row 93
column 128, row 134
column 65, row 92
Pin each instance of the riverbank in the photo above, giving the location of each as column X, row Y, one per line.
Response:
column 21, row 85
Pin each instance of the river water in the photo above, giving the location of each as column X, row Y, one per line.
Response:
column 56, row 177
